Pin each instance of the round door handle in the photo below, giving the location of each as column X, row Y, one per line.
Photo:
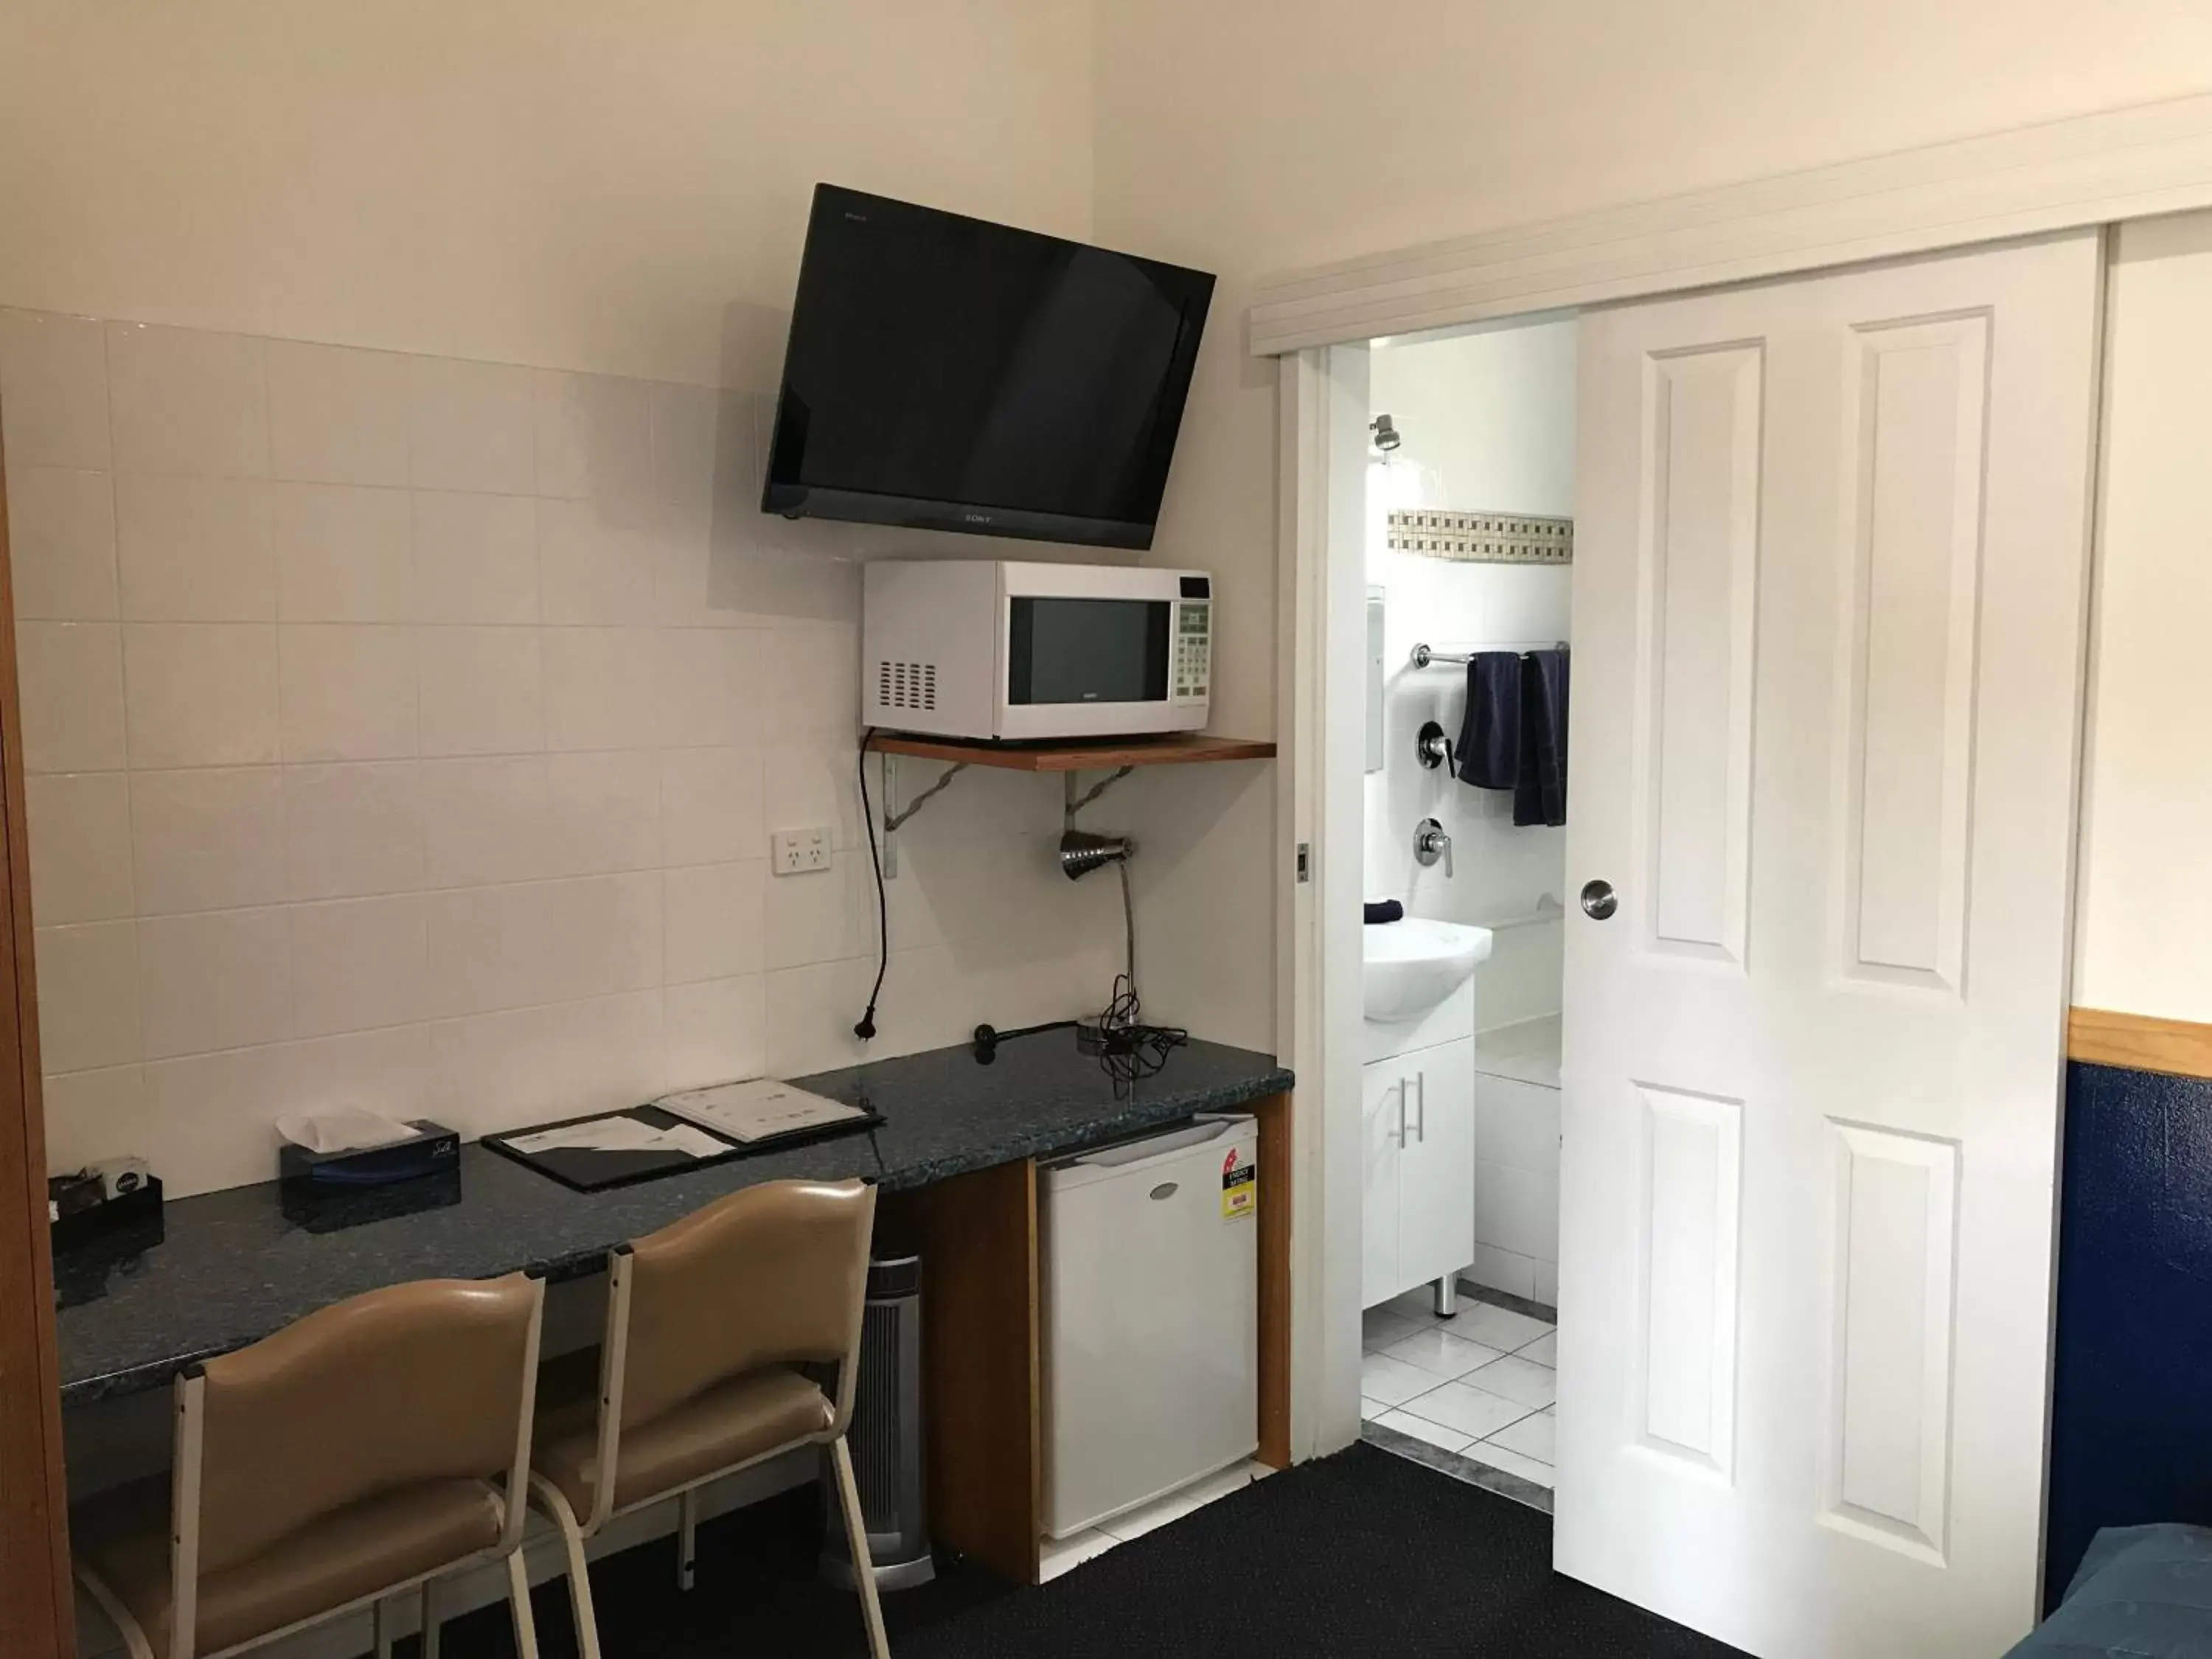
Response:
column 1599, row 900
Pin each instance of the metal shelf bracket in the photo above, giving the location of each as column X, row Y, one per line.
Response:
column 893, row 817
column 1076, row 803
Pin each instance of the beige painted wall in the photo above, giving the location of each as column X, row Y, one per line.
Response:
column 2145, row 909
column 568, row 183
column 1256, row 138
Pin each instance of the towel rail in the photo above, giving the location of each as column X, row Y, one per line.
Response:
column 1424, row 655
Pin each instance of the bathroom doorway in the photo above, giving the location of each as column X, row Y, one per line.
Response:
column 1469, row 484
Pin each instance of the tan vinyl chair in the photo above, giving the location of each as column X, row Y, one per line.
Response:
column 710, row 1322
column 369, row 1449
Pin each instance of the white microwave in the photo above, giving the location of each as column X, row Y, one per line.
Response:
column 1004, row 651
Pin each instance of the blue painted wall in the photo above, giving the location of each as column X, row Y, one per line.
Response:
column 2131, row 1411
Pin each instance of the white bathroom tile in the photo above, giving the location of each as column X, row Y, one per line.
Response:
column 821, row 915
column 87, row 996
column 604, row 1053
column 344, row 554
column 487, row 948
column 1532, row 1470
column 1535, row 1436
column 92, row 1116
column 80, row 847
column 1379, row 1327
column 711, row 806
column 1548, row 1283
column 53, row 390
column 491, row 1071
column 1502, row 1270
column 483, row 820
column 482, row 691
column 1418, row 1305
column 188, row 401
column 1369, row 1410
column 208, row 839
column 707, row 690
column 696, row 557
column 222, row 979
column 385, row 1071
column 337, row 415
column 1392, row 1381
column 200, row 693
column 353, row 830
column 1420, row 1428
column 926, row 1004
column 470, row 426
column 1494, row 1327
column 1514, row 1378
column 686, row 425
column 599, row 688
column 810, row 680
column 818, row 782
column 358, row 963
column 1440, row 1353
column 1188, row 1500
column 1471, row 1411
column 1058, row 1556
column 714, row 924
column 349, row 691
column 602, row 812
column 212, row 1118
column 70, row 676
column 596, row 562
column 715, row 1030
column 604, row 935
column 195, row 550
column 1517, row 1124
column 1517, row 1210
column 593, row 436
column 475, row 558
column 1543, row 1350
column 61, row 544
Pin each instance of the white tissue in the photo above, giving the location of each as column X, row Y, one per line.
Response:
column 349, row 1129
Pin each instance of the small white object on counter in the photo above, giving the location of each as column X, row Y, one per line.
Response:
column 347, row 1129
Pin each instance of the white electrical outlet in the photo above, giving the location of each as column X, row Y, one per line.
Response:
column 794, row 852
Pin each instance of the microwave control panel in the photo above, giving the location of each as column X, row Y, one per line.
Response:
column 1193, row 649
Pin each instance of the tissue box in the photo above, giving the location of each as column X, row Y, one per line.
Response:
column 434, row 1148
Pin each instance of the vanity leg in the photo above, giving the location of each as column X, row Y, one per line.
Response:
column 1447, row 1294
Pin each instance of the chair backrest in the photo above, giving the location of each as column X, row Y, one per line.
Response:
column 774, row 1273
column 431, row 1381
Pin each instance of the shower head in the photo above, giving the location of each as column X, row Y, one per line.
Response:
column 1081, row 852
column 1387, row 436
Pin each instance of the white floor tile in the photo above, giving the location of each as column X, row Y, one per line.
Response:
column 1534, row 1386
column 1418, row 1305
column 1392, row 1381
column 1372, row 1407
column 1176, row 1504
column 1440, row 1353
column 1419, row 1428
column 1543, row 1350
column 1379, row 1327
column 1533, row 1436
column 1490, row 1452
column 1470, row 1410
column 1494, row 1327
column 1058, row 1555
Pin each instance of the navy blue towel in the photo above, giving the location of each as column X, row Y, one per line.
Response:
column 1540, row 780
column 1381, row 910
column 1489, row 752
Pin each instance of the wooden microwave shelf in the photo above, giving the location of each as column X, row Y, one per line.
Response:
column 1180, row 749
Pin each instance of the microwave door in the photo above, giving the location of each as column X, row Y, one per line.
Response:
column 1083, row 667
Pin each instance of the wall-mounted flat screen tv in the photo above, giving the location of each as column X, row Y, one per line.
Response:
column 955, row 374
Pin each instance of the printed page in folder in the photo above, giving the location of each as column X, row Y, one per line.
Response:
column 760, row 1109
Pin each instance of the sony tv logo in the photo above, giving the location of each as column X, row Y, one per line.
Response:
column 977, row 518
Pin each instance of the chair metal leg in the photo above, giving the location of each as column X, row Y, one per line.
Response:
column 431, row 1619
column 518, row 1601
column 687, row 1538
column 856, row 1529
column 550, row 1500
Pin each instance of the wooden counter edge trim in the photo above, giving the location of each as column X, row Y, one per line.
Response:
column 2141, row 1042
column 1274, row 1244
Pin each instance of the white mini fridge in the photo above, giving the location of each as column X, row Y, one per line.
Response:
column 1151, row 1342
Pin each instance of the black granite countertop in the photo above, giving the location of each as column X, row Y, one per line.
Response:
column 235, row 1267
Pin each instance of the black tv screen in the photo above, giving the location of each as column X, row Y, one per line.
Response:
column 951, row 373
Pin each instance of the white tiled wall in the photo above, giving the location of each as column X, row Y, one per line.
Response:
column 407, row 732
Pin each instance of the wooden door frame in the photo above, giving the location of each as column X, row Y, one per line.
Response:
column 37, row 1604
column 2101, row 169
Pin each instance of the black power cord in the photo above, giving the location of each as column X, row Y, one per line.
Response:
column 865, row 1028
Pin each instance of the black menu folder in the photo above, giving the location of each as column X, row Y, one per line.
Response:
column 641, row 1143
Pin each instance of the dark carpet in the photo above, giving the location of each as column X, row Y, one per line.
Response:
column 1362, row 1553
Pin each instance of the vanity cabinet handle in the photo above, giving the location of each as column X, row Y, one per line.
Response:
column 1421, row 1123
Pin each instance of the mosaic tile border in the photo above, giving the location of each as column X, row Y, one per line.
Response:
column 1480, row 537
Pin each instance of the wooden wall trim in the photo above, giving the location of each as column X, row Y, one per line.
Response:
column 37, row 1606
column 2142, row 1042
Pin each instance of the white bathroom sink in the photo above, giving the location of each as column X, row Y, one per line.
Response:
column 1408, row 967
